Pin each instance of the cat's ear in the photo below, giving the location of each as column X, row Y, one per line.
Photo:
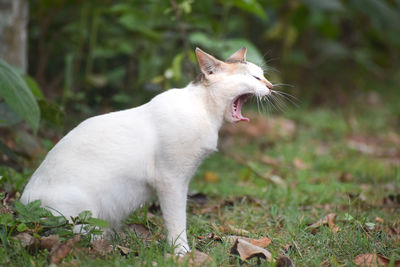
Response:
column 208, row 64
column 239, row 55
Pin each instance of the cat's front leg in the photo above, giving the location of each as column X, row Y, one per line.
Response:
column 173, row 206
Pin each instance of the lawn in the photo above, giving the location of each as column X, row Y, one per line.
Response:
column 338, row 161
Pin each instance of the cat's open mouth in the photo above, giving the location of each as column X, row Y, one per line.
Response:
column 236, row 108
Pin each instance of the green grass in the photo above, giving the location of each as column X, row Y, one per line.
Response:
column 240, row 198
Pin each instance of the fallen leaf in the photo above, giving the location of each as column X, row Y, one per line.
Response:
column 331, row 222
column 49, row 242
column 25, row 239
column 194, row 258
column 261, row 242
column 62, row 250
column 198, row 258
column 373, row 260
column 101, row 246
column 247, row 250
column 124, row 250
column 379, row 220
column 269, row 161
column 230, row 229
column 210, row 177
column 299, row 164
column 346, row 177
column 329, row 219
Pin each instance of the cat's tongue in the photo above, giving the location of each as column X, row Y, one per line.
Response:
column 237, row 109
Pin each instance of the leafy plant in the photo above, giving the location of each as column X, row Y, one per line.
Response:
column 17, row 95
column 39, row 221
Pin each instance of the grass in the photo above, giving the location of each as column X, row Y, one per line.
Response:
column 336, row 178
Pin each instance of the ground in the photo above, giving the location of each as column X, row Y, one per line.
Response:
column 322, row 184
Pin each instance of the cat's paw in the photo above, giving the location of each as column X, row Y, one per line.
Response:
column 181, row 250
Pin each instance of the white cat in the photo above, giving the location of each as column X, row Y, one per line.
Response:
column 113, row 163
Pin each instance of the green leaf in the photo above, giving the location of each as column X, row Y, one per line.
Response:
column 98, row 222
column 176, row 66
column 53, row 221
column 22, row 227
column 8, row 116
column 348, row 217
column 84, row 216
column 7, row 219
column 51, row 112
column 252, row 6
column 32, row 212
column 130, row 22
column 33, row 86
column 18, row 96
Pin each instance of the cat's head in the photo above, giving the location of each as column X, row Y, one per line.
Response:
column 232, row 82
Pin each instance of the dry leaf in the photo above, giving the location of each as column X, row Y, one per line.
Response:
column 49, row 242
column 261, row 242
column 346, row 177
column 269, row 161
column 230, row 229
column 331, row 222
column 327, row 220
column 194, row 258
column 379, row 220
column 124, row 250
column 211, row 177
column 25, row 239
column 299, row 164
column 101, row 246
column 247, row 250
column 198, row 258
column 373, row 260
column 62, row 250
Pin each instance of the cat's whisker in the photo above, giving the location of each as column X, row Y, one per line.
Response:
column 258, row 103
column 268, row 100
column 293, row 100
column 282, row 84
column 277, row 103
column 262, row 105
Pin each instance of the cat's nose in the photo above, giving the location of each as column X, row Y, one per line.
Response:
column 269, row 84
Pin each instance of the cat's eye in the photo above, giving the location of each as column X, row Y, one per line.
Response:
column 256, row 77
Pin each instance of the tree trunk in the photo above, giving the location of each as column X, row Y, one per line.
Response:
column 13, row 32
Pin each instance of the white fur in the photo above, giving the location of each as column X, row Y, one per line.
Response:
column 113, row 163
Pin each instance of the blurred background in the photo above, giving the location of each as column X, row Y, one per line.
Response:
column 72, row 59
column 329, row 143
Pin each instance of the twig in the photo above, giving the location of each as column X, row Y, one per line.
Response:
column 271, row 178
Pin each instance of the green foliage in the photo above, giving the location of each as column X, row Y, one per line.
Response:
column 40, row 221
column 120, row 53
column 16, row 93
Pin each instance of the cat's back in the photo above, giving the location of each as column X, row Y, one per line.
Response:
column 99, row 148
